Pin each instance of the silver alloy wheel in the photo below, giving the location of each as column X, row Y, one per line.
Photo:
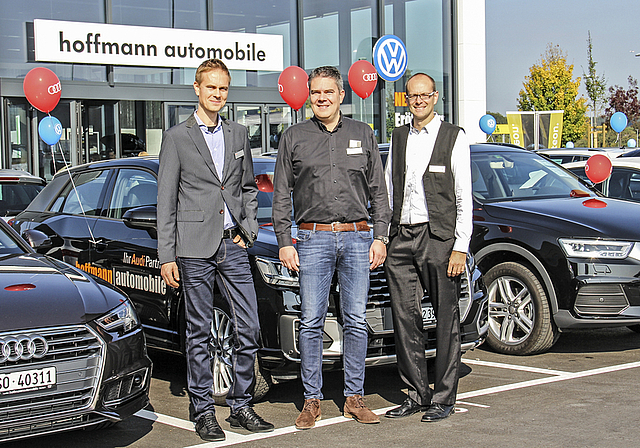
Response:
column 220, row 348
column 511, row 310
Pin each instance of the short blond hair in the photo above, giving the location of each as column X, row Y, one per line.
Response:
column 211, row 64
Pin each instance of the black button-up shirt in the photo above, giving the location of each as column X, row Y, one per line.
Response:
column 334, row 177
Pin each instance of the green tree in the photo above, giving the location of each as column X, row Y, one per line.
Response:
column 500, row 119
column 594, row 84
column 550, row 86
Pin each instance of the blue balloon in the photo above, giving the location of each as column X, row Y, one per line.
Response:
column 569, row 145
column 618, row 122
column 631, row 143
column 487, row 124
column 50, row 130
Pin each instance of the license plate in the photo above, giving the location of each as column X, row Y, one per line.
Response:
column 428, row 315
column 26, row 380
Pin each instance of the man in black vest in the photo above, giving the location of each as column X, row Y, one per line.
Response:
column 428, row 176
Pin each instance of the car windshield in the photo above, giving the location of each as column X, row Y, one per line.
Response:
column 517, row 176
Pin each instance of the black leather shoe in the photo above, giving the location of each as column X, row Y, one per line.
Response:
column 248, row 419
column 437, row 412
column 208, row 428
column 407, row 408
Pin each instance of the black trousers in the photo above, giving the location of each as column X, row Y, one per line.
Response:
column 416, row 260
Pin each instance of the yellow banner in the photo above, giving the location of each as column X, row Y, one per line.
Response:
column 515, row 129
column 501, row 129
column 555, row 130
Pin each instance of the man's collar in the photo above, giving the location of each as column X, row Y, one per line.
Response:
column 430, row 127
column 201, row 123
column 321, row 125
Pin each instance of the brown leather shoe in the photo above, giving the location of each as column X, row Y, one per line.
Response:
column 355, row 408
column 310, row 414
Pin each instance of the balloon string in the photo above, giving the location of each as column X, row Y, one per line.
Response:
column 73, row 184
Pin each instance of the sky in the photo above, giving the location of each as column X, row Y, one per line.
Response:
column 518, row 31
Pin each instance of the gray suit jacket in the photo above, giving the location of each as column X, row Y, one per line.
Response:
column 191, row 197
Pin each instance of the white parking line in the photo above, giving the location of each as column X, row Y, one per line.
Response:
column 556, row 375
column 500, row 365
column 552, row 379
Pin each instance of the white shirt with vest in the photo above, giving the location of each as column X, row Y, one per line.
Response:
column 414, row 208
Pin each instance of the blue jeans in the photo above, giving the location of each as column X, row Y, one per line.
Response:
column 230, row 268
column 322, row 253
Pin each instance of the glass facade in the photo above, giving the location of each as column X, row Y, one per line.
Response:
column 315, row 33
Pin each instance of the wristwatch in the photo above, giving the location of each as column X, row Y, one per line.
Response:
column 384, row 239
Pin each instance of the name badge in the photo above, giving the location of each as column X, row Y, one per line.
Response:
column 239, row 154
column 436, row 169
column 351, row 151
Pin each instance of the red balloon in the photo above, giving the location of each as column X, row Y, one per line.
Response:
column 42, row 89
column 293, row 85
column 363, row 78
column 598, row 168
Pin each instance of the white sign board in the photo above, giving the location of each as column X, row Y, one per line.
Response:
column 100, row 43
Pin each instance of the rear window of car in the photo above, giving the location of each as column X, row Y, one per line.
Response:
column 85, row 197
column 15, row 197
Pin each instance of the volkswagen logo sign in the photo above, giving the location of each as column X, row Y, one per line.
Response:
column 22, row 347
column 390, row 57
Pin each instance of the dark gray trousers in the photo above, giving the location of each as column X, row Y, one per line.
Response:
column 416, row 260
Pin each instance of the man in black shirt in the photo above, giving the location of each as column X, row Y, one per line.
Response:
column 332, row 166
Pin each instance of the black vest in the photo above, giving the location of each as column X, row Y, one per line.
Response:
column 439, row 188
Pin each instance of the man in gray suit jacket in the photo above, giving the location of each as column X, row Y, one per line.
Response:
column 207, row 206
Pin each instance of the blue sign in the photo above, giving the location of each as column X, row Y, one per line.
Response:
column 390, row 57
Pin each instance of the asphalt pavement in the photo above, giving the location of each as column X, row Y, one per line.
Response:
column 582, row 393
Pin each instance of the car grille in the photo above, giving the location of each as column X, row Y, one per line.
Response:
column 602, row 300
column 379, row 316
column 77, row 354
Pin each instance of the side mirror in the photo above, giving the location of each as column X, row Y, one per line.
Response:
column 141, row 217
column 38, row 240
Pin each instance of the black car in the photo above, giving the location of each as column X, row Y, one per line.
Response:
column 72, row 350
column 109, row 229
column 555, row 254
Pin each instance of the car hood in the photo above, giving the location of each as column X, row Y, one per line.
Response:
column 572, row 217
column 53, row 294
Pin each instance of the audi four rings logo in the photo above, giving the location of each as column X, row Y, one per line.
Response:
column 55, row 88
column 23, row 347
column 369, row 77
column 390, row 57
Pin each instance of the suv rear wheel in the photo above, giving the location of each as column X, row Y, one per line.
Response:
column 519, row 317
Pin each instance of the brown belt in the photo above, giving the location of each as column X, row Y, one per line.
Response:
column 336, row 226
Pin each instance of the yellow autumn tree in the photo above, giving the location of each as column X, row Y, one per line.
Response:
column 550, row 86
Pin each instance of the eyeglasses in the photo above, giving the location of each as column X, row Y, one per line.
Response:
column 423, row 96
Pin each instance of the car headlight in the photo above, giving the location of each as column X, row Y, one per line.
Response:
column 605, row 249
column 122, row 319
column 273, row 273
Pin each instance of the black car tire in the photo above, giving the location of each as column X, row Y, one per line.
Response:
column 635, row 328
column 517, row 326
column 220, row 349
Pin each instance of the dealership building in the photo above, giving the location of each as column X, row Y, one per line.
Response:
column 127, row 68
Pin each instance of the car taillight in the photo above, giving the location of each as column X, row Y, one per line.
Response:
column 11, row 222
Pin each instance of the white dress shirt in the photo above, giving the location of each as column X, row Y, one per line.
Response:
column 414, row 207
